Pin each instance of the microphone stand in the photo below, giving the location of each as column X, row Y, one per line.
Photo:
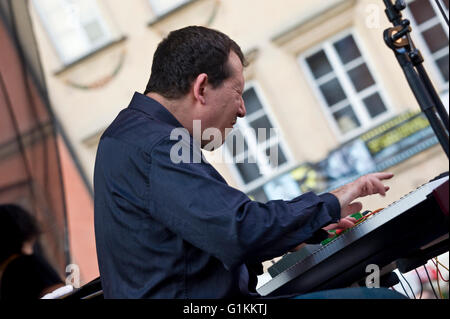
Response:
column 410, row 59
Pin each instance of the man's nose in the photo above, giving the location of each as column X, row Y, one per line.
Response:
column 242, row 111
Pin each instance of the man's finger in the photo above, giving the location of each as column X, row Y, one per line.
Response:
column 352, row 209
column 383, row 175
column 378, row 187
column 369, row 187
column 345, row 223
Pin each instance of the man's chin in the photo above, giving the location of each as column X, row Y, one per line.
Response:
column 212, row 145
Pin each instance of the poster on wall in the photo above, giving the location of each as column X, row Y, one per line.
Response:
column 378, row 149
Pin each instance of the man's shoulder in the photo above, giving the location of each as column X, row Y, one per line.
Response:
column 138, row 129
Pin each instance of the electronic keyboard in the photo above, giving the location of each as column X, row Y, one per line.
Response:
column 406, row 226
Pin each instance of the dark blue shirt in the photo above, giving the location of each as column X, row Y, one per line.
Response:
column 178, row 230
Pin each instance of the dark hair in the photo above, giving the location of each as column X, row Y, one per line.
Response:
column 186, row 53
column 16, row 227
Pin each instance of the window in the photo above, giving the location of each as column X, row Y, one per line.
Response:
column 161, row 7
column 345, row 85
column 431, row 33
column 75, row 27
column 254, row 145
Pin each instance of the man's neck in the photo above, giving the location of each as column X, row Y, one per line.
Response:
column 179, row 108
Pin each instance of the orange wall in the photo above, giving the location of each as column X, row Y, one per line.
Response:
column 80, row 218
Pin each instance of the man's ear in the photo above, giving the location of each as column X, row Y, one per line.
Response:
column 199, row 86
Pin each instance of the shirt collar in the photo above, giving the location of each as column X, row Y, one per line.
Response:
column 153, row 108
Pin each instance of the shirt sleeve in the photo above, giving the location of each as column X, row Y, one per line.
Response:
column 193, row 201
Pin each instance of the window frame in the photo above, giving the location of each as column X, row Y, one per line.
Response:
column 243, row 124
column 164, row 13
column 419, row 41
column 65, row 61
column 355, row 99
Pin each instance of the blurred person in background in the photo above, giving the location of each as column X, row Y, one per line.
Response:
column 24, row 273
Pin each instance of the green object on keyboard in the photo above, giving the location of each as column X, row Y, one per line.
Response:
column 357, row 216
column 326, row 241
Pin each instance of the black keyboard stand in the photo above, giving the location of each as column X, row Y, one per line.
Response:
column 421, row 257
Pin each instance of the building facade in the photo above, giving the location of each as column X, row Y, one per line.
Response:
column 328, row 94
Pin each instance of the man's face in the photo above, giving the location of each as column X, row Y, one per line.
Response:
column 225, row 103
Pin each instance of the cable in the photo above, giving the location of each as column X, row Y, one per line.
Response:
column 421, row 285
column 441, row 264
column 376, row 211
column 403, row 287
column 414, row 295
column 367, row 215
column 439, row 272
column 438, row 285
column 431, row 284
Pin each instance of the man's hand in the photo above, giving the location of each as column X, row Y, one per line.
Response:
column 344, row 223
column 365, row 185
